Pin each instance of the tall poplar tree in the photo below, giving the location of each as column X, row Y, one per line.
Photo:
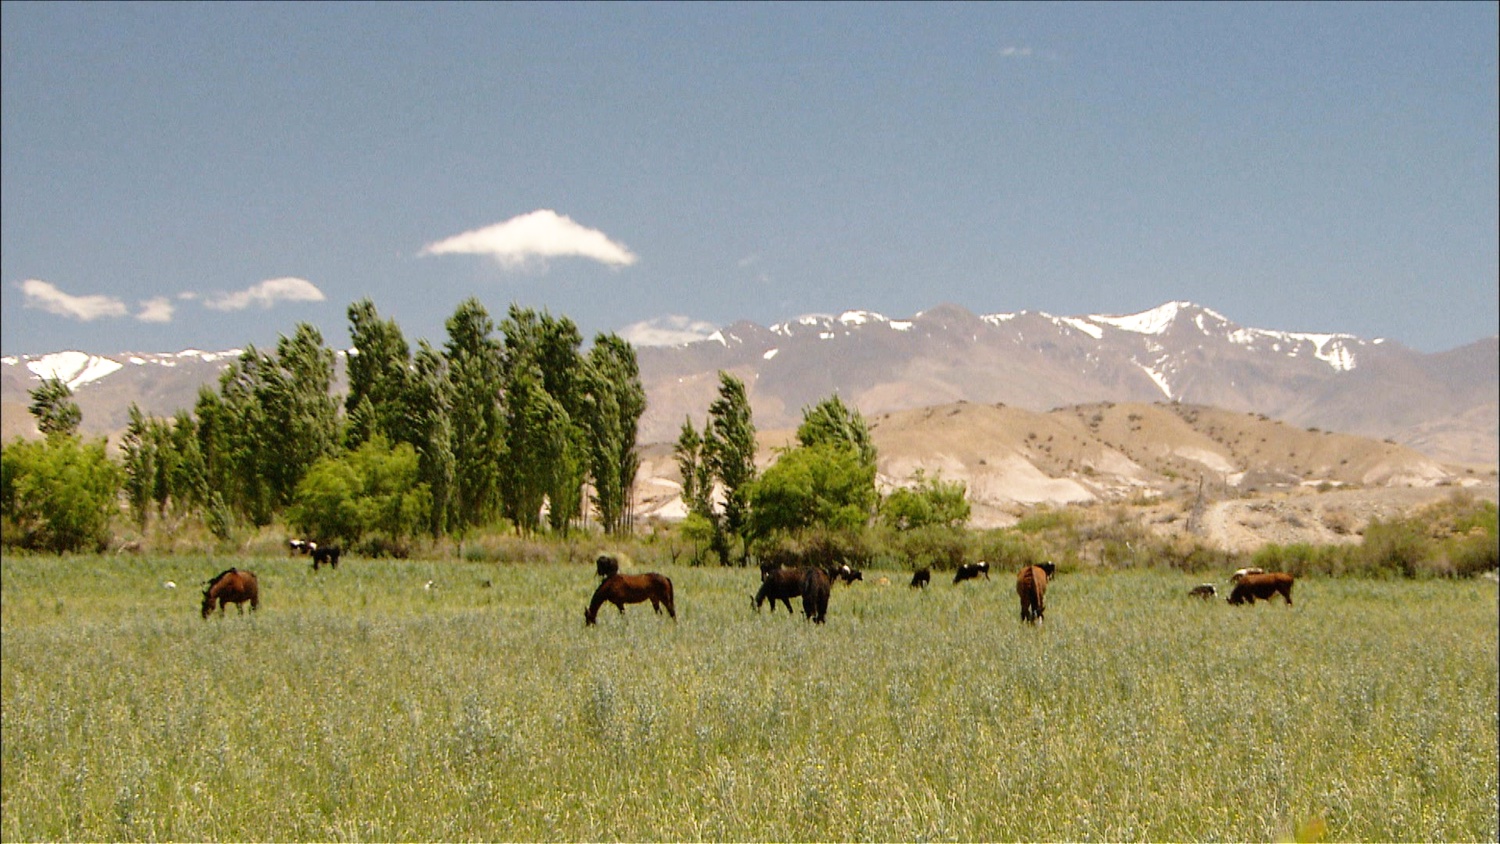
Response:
column 379, row 367
column 729, row 448
column 616, row 401
column 427, row 409
column 474, row 363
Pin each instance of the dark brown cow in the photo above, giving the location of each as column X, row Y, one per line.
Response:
column 622, row 589
column 1031, row 586
column 1262, row 586
column 231, row 586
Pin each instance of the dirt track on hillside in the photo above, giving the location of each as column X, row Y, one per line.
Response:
column 1337, row 516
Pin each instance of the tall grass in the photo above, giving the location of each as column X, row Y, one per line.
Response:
column 360, row 705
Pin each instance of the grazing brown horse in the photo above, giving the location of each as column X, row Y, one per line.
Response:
column 231, row 586
column 1031, row 585
column 782, row 585
column 815, row 588
column 622, row 589
column 1262, row 586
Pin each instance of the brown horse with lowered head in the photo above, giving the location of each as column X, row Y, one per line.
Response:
column 231, row 586
column 1031, row 585
column 622, row 589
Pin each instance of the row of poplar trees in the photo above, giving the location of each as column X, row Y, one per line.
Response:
column 501, row 422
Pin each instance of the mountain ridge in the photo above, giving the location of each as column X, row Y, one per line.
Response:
column 1444, row 404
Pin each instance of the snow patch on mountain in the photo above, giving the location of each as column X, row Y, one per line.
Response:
column 72, row 368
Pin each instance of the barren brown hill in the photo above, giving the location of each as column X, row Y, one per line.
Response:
column 1164, row 459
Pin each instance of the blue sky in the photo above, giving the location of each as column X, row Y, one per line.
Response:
column 208, row 175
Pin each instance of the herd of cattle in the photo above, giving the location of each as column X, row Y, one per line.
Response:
column 812, row 584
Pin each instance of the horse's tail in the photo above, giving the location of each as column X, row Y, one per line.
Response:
column 671, row 606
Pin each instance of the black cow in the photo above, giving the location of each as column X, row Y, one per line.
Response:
column 970, row 571
column 847, row 574
column 921, row 579
column 1204, row 591
column 322, row 554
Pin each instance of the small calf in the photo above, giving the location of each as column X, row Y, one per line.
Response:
column 848, row 574
column 921, row 578
column 1204, row 591
column 1242, row 573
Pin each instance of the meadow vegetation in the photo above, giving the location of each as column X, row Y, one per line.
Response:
column 462, row 699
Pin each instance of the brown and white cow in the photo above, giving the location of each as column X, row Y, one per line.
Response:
column 1262, row 586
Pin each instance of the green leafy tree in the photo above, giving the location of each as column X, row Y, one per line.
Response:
column 58, row 494
column 474, row 359
column 616, row 401
column 300, row 413
column 183, row 465
column 379, row 367
column 534, row 426
column 729, row 451
column 825, row 484
column 55, row 411
column 370, row 494
column 546, row 394
column 233, row 429
column 697, row 478
column 833, row 422
column 140, row 447
column 427, row 407
column 928, row 502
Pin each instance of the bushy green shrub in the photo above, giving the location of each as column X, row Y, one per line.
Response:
column 58, row 494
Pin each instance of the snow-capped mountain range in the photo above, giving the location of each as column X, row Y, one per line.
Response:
column 1443, row 404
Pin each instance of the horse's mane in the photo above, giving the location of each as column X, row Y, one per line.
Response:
column 220, row 576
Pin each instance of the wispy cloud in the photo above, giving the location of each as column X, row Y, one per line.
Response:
column 1019, row 52
column 538, row 235
column 47, row 297
column 159, row 309
column 266, row 294
column 667, row 331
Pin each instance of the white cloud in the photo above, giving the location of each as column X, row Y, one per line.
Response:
column 159, row 309
column 667, row 331
column 539, row 235
column 45, row 296
column 266, row 294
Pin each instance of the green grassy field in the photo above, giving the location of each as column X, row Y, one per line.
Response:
column 359, row 705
